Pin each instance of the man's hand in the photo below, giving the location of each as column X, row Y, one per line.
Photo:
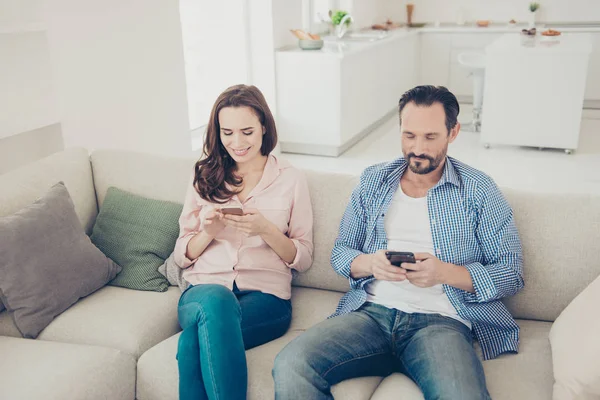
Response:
column 427, row 271
column 378, row 265
column 250, row 224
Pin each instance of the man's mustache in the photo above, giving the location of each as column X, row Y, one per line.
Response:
column 411, row 155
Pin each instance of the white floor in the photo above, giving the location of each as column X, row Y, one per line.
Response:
column 516, row 167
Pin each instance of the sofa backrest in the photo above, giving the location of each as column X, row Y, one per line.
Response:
column 168, row 179
column 21, row 187
column 560, row 240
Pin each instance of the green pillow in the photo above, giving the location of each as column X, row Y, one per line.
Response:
column 138, row 234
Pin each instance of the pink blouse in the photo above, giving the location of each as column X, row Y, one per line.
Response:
column 282, row 197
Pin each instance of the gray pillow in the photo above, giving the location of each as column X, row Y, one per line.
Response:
column 47, row 262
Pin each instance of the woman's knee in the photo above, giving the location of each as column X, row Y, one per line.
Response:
column 203, row 302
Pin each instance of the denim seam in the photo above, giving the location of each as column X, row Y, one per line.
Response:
column 210, row 367
column 352, row 359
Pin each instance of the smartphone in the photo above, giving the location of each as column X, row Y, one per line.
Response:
column 398, row 257
column 232, row 210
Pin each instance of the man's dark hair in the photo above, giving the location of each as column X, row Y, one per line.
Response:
column 427, row 95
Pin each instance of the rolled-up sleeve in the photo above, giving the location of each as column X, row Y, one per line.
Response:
column 300, row 227
column 501, row 274
column 189, row 225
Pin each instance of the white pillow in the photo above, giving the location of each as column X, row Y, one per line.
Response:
column 575, row 342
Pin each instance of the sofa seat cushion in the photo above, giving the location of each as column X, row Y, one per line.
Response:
column 527, row 375
column 36, row 369
column 158, row 377
column 157, row 368
column 129, row 320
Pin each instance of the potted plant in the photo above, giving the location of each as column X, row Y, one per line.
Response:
column 533, row 7
column 340, row 20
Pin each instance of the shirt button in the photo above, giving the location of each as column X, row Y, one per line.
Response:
column 433, row 222
column 438, row 252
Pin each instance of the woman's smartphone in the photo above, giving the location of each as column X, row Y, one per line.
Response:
column 232, row 210
column 398, row 257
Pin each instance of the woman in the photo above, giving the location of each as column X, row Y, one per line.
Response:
column 239, row 266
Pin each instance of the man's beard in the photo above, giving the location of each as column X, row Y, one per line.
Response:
column 425, row 166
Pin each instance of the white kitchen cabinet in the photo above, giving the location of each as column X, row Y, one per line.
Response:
column 534, row 90
column 592, row 89
column 329, row 99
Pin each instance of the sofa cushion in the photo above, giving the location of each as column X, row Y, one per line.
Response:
column 146, row 175
column 168, row 179
column 559, row 250
column 48, row 262
column 330, row 194
column 158, row 377
column 123, row 319
column 35, row 369
column 527, row 375
column 576, row 348
column 24, row 185
column 157, row 368
column 138, row 234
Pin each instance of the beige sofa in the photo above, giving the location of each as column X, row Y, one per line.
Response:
column 120, row 344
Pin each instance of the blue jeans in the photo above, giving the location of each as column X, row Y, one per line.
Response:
column 435, row 351
column 218, row 326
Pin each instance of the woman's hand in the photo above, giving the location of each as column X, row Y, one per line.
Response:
column 252, row 223
column 213, row 223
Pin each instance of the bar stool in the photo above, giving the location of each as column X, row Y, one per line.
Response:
column 475, row 63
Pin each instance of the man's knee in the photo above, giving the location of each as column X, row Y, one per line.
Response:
column 458, row 390
column 291, row 363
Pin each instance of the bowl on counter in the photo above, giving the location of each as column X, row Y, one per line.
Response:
column 482, row 23
column 310, row 44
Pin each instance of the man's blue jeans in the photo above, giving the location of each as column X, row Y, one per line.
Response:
column 218, row 326
column 435, row 351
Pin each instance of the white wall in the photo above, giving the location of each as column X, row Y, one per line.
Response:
column 214, row 40
column 119, row 73
column 27, row 99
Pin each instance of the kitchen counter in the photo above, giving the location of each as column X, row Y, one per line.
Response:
column 340, row 48
column 527, row 80
column 508, row 28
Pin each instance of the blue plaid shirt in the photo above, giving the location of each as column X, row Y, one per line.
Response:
column 471, row 225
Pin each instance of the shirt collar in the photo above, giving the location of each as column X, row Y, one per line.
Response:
column 272, row 170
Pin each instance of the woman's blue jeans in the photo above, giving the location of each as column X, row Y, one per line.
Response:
column 218, row 326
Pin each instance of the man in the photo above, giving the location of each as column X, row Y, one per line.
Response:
column 419, row 318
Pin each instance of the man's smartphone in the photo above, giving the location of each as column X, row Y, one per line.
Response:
column 232, row 210
column 398, row 257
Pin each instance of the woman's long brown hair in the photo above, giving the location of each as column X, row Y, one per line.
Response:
column 216, row 169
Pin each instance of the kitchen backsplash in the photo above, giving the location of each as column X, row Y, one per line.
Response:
column 367, row 12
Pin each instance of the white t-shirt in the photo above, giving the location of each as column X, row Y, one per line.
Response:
column 407, row 229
